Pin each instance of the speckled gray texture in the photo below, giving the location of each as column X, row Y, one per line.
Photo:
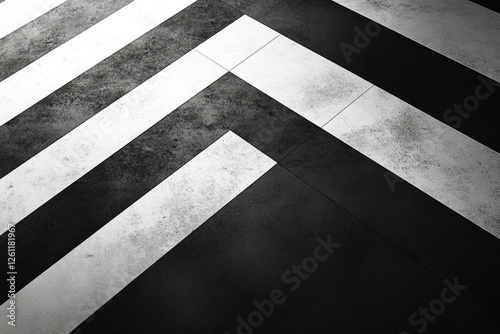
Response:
column 51, row 30
column 77, row 101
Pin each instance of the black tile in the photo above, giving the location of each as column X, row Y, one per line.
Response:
column 435, row 236
column 491, row 4
column 449, row 92
column 243, row 253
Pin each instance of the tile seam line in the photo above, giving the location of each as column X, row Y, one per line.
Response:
column 418, row 263
column 241, row 62
column 347, row 106
column 213, row 61
column 257, row 51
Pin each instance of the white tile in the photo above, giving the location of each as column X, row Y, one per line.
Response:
column 16, row 13
column 50, row 72
column 237, row 42
column 449, row 166
column 459, row 29
column 42, row 177
column 75, row 287
column 300, row 79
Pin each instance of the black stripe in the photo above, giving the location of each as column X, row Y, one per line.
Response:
column 432, row 234
column 240, row 255
column 449, row 92
column 62, row 111
column 491, row 4
column 51, row 30
column 427, row 80
column 73, row 215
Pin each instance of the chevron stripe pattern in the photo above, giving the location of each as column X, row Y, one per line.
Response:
column 249, row 166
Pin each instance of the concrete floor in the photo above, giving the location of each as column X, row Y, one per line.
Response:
column 248, row 166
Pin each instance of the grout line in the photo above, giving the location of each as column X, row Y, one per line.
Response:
column 256, row 51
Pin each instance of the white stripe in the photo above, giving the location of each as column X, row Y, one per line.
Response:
column 50, row 72
column 75, row 287
column 305, row 82
column 16, row 13
column 449, row 166
column 458, row 29
column 49, row 172
column 237, row 42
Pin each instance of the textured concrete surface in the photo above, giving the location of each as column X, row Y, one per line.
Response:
column 219, row 248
